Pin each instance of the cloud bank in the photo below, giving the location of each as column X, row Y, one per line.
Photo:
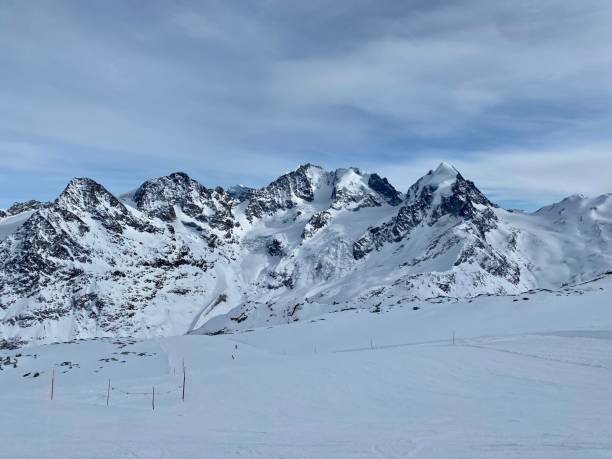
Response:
column 516, row 94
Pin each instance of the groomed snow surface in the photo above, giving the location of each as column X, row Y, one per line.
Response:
column 527, row 377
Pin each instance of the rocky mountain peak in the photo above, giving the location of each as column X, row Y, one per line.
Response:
column 157, row 197
column 87, row 194
column 84, row 198
column 164, row 196
column 440, row 193
column 20, row 207
column 307, row 167
column 179, row 176
column 355, row 190
column 440, row 179
column 112, row 266
column 286, row 191
column 385, row 189
column 445, row 169
column 446, row 189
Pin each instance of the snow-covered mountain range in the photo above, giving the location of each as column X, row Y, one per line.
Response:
column 175, row 256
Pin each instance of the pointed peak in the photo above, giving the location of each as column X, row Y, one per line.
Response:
column 82, row 186
column 168, row 186
column 446, row 181
column 84, row 192
column 307, row 166
column 444, row 174
column 310, row 173
column 382, row 186
column 445, row 169
column 355, row 189
column 80, row 182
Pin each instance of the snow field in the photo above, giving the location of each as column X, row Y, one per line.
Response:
column 526, row 378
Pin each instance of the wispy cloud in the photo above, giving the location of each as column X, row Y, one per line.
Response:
column 240, row 91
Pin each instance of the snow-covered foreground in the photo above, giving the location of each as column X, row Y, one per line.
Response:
column 527, row 377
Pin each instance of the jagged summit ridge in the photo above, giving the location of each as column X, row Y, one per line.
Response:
column 26, row 206
column 86, row 193
column 444, row 171
column 286, row 192
column 311, row 185
column 175, row 256
column 442, row 193
column 179, row 197
column 354, row 189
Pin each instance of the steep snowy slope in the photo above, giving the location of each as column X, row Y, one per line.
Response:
column 583, row 229
column 445, row 239
column 87, row 265
column 174, row 256
column 16, row 215
column 11, row 223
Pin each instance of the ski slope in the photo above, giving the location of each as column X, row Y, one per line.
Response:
column 526, row 376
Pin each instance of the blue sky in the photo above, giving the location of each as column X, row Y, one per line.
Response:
column 517, row 95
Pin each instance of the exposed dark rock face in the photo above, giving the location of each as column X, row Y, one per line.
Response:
column 444, row 199
column 384, row 188
column 279, row 280
column 26, row 206
column 312, row 241
column 275, row 248
column 241, row 193
column 316, row 222
column 211, row 207
column 459, row 202
column 90, row 258
column 33, row 261
column 83, row 195
column 283, row 193
column 355, row 190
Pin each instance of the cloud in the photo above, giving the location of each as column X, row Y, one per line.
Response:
column 438, row 84
column 240, row 91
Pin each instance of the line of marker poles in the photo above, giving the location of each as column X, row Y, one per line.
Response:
column 183, row 385
column 52, row 382
column 108, row 387
column 184, row 380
